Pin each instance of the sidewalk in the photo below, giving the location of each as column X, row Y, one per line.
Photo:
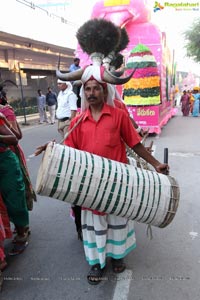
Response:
column 32, row 119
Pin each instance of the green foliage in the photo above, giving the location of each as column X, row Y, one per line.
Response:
column 29, row 104
column 192, row 37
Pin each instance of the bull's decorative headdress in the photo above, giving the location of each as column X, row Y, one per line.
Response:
column 102, row 40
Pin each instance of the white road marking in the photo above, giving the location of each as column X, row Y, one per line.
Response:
column 189, row 154
column 193, row 234
column 123, row 284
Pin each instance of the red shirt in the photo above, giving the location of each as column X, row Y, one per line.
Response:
column 104, row 137
column 121, row 105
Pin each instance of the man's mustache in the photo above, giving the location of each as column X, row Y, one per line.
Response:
column 92, row 98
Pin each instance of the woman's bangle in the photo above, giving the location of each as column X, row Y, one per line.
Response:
column 138, row 129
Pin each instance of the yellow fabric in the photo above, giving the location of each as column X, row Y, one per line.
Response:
column 191, row 98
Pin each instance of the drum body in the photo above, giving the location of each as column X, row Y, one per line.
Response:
column 94, row 182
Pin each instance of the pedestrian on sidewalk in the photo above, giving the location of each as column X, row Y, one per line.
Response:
column 41, row 104
column 67, row 106
column 51, row 101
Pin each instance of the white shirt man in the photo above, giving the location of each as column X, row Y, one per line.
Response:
column 67, row 106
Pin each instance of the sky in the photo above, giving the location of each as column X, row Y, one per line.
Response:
column 173, row 21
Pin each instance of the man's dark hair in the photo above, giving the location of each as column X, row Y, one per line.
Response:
column 76, row 59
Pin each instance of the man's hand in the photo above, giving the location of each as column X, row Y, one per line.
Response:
column 162, row 168
column 42, row 148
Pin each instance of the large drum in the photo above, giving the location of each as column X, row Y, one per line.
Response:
column 91, row 181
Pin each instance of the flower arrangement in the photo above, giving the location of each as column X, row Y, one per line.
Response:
column 144, row 86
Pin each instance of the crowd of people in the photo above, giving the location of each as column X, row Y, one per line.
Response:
column 190, row 102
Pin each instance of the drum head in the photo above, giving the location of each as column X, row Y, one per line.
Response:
column 43, row 169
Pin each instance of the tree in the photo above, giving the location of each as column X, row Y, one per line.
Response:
column 192, row 37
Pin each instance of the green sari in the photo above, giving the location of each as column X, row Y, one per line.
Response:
column 12, row 188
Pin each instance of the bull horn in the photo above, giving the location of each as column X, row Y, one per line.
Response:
column 110, row 78
column 71, row 76
column 117, row 73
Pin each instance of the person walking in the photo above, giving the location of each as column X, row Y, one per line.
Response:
column 104, row 130
column 99, row 120
column 185, row 103
column 41, row 104
column 196, row 95
column 191, row 101
column 66, row 106
column 51, row 101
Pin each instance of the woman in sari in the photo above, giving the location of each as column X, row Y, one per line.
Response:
column 196, row 96
column 185, row 104
column 13, row 201
column 11, row 122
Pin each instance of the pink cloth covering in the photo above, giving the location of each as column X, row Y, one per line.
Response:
column 8, row 112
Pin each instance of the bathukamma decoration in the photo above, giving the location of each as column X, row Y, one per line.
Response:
column 144, row 87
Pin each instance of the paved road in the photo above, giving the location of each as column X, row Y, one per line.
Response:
column 167, row 267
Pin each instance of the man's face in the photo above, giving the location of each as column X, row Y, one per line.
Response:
column 77, row 62
column 94, row 92
column 62, row 86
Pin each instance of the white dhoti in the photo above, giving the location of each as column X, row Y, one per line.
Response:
column 106, row 236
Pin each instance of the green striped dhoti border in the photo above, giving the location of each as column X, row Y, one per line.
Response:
column 95, row 182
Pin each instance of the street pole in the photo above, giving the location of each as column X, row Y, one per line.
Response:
column 22, row 95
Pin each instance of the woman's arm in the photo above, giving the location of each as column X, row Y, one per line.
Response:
column 12, row 125
column 6, row 136
column 15, row 128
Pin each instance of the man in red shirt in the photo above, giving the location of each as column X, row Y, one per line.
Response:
column 104, row 130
